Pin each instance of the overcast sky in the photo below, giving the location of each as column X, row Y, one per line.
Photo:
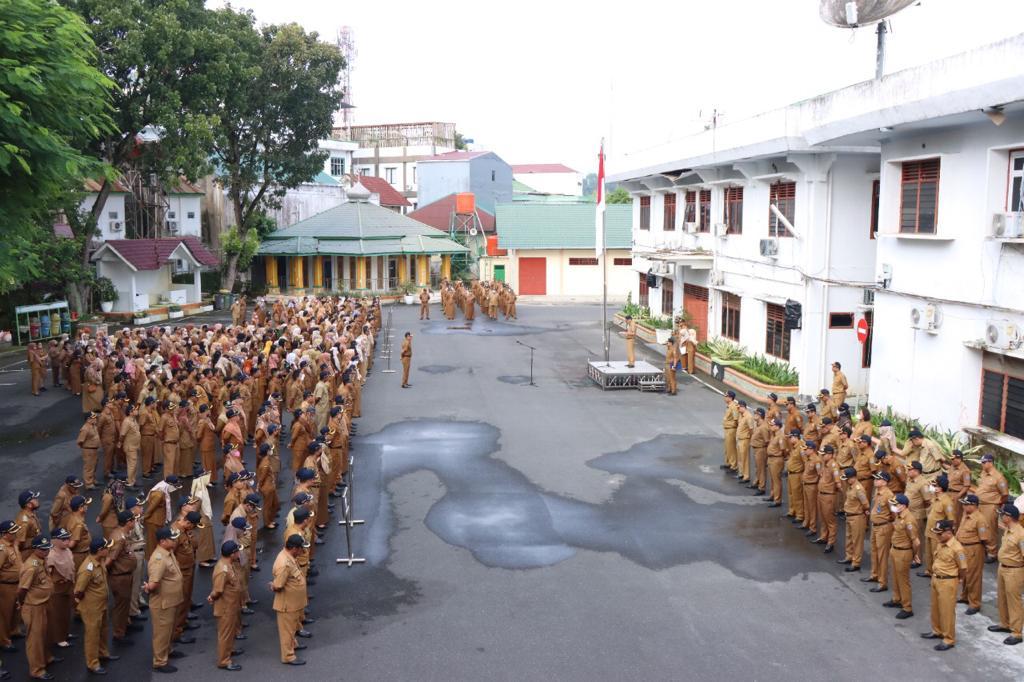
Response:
column 543, row 81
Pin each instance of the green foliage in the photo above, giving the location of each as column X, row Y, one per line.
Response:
column 1013, row 476
column 209, row 280
column 657, row 322
column 53, row 100
column 725, row 352
column 240, row 247
column 619, row 195
column 408, row 288
column 103, row 290
column 901, row 426
column 950, row 440
column 769, row 371
column 460, row 141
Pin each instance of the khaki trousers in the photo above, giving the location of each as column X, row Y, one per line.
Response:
column 944, row 608
column 991, row 514
column 630, row 352
column 796, row 495
column 901, row 591
column 1010, row 583
column 36, row 649
column 811, row 506
column 96, row 629
column 133, row 609
column 424, row 311
column 208, row 456
column 170, row 451
column 881, row 541
column 163, row 629
column 729, row 436
column 855, row 527
column 148, row 452
column 972, row 576
column 121, row 588
column 827, row 517
column 90, row 456
column 691, row 351
column 670, row 379
column 761, row 467
column 405, row 370
column 181, row 616
column 8, row 614
column 775, row 473
column 109, row 448
column 931, row 543
column 743, row 457
column 288, row 623
column 227, row 628
column 132, row 457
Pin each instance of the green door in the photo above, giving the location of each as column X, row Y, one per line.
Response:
column 499, row 273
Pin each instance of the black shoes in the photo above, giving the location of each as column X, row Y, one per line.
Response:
column 165, row 669
column 878, row 588
column 997, row 628
column 870, row 579
column 1011, row 641
column 233, row 667
column 942, row 646
column 829, row 549
column 851, row 569
column 903, row 615
column 971, row 611
column 98, row 671
column 843, row 561
column 930, row 635
column 299, row 661
column 891, row 604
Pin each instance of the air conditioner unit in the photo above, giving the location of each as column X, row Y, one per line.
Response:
column 691, row 228
column 665, row 268
column 172, row 226
column 116, row 226
column 869, row 297
column 1002, row 334
column 171, row 215
column 717, row 278
column 721, row 229
column 770, row 247
column 927, row 318
column 1008, row 225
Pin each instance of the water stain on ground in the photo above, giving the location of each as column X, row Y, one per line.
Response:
column 437, row 369
column 506, row 521
column 516, row 379
column 482, row 327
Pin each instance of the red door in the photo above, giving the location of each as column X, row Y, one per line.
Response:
column 533, row 276
column 695, row 302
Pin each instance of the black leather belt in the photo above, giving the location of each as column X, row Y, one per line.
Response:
column 849, row 514
column 8, row 582
column 1006, row 566
column 970, row 544
column 821, row 493
column 905, row 549
column 884, row 523
column 945, row 577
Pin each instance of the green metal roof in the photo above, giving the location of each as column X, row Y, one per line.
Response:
column 519, row 187
column 358, row 228
column 323, row 178
column 561, row 225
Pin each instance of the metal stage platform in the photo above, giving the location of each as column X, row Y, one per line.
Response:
column 615, row 374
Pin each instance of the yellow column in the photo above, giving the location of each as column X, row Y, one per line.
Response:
column 403, row 270
column 271, row 265
column 361, row 267
column 318, row 272
column 297, row 265
column 446, row 267
column 422, row 271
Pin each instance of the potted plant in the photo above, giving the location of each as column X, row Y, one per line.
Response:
column 408, row 293
column 174, row 311
column 103, row 289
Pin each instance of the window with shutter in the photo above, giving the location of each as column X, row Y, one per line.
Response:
column 704, row 210
column 733, row 217
column 919, row 196
column 776, row 334
column 666, row 296
column 731, row 316
column 690, row 208
column 670, row 212
column 783, row 195
column 645, row 213
column 875, row 194
column 1002, row 403
column 645, row 292
column 1015, row 187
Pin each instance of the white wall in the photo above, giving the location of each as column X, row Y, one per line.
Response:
column 113, row 212
column 302, row 202
column 187, row 213
column 576, row 280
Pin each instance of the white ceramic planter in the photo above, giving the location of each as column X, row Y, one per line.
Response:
column 662, row 335
column 175, row 315
column 409, row 299
column 142, row 320
column 106, row 306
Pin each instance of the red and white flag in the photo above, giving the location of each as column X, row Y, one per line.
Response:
column 599, row 213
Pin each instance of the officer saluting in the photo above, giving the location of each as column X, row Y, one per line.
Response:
column 165, row 594
column 290, row 598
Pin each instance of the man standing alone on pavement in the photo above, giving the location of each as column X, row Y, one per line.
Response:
column 425, row 305
column 406, row 359
column 671, row 358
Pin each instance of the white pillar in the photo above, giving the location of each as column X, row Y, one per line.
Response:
column 131, row 305
column 198, row 283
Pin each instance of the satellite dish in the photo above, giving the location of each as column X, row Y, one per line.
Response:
column 853, row 13
column 472, row 232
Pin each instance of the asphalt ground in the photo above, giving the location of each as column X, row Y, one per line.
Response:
column 554, row 532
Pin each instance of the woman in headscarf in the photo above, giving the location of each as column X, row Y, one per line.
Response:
column 73, row 369
column 111, row 504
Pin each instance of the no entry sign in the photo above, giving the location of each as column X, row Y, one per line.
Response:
column 862, row 330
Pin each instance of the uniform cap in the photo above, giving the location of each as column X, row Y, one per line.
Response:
column 881, row 454
column 731, row 394
column 969, row 498
column 823, row 391
column 25, row 496
column 166, row 533
column 73, row 481
column 314, row 447
column 886, row 422
column 865, row 439
column 915, row 433
column 60, row 534
column 826, row 420
column 828, row 450
column 902, row 499
column 772, row 396
column 795, row 433
column 253, row 499
column 240, row 523
column 917, row 465
column 124, row 516
column 760, row 411
column 197, row 469
column 9, row 528
column 305, row 474
column 810, row 444
column 302, row 498
column 301, row 514
column 41, row 542
column 99, row 543
column 77, row 502
column 1009, row 510
column 172, row 480
column 881, row 476
column 987, row 457
column 957, row 454
column 272, row 428
column 265, row 448
column 195, row 518
column 943, row 525
column 942, row 480
column 229, row 548
column 232, row 477
column 849, row 472
column 811, row 408
column 130, row 502
column 742, row 403
column 296, row 540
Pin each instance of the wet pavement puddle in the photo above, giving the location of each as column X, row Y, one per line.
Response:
column 481, row 327
column 667, row 510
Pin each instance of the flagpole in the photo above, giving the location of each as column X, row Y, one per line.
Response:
column 604, row 282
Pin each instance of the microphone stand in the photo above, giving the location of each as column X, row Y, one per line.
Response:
column 531, row 359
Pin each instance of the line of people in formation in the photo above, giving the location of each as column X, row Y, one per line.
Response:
column 187, row 401
column 494, row 298
column 913, row 505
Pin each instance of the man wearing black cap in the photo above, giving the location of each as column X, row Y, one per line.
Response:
column 671, row 358
column 1010, row 577
column 165, row 595
column 34, row 588
column 976, row 537
column 826, row 408
column 940, row 508
column 809, row 481
column 91, row 597
column 828, row 483
column 62, row 501
column 863, row 462
column 905, row 545
column 290, row 598
column 923, row 450
column 992, row 492
column 10, row 573
column 948, row 566
column 28, row 500
column 855, row 508
column 812, row 424
column 226, row 597
column 76, row 524
column 959, row 480
column 169, row 433
column 266, row 483
column 759, row 440
column 917, row 492
column 121, row 563
column 744, row 430
column 729, row 422
column 406, row 357
column 881, row 532
column 149, row 422
column 776, row 455
column 794, row 476
column 185, row 556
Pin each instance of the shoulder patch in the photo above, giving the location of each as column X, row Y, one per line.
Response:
column 227, row 569
column 157, row 555
column 35, row 562
column 24, row 517
column 89, row 566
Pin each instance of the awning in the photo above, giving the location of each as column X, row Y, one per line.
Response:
column 767, row 298
column 688, row 259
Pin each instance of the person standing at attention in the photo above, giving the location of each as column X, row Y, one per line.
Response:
column 406, row 359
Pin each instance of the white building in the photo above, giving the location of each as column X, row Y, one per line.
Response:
column 549, row 178
column 111, row 223
column 899, row 191
column 483, row 173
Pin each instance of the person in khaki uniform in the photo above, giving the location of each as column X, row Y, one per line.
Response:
column 744, row 430
column 905, row 544
column 855, row 508
column 759, row 439
column 630, row 336
column 941, row 507
column 10, row 574
column 923, row 450
column 91, row 597
column 809, row 486
column 977, row 539
column 169, row 433
column 776, row 455
column 918, row 492
column 959, row 481
column 671, row 358
column 226, row 596
column 89, row 442
column 424, row 305
column 149, row 423
column 34, row 588
column 794, row 477
column 130, row 442
column 121, row 563
column 61, row 567
column 185, row 557
column 290, row 598
column 828, row 479
column 77, row 526
column 881, row 532
column 839, row 385
column 992, row 492
column 1010, row 577
column 948, row 566
column 729, row 422
column 164, row 590
column 406, row 356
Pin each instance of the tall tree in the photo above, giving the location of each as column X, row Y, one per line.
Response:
column 53, row 100
column 282, row 94
column 163, row 59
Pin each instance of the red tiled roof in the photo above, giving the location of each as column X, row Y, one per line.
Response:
column 62, row 229
column 542, row 168
column 94, row 186
column 183, row 186
column 151, row 254
column 455, row 156
column 389, row 196
column 439, row 214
